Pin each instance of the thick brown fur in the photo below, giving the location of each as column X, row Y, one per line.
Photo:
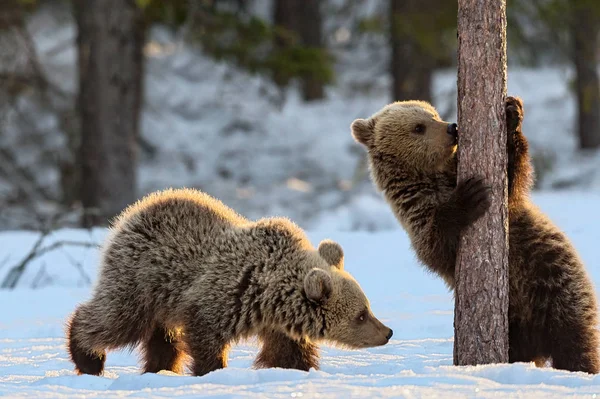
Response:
column 552, row 310
column 182, row 274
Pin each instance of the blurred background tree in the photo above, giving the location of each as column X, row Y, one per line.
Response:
column 288, row 46
column 111, row 72
column 422, row 38
column 584, row 24
column 563, row 31
column 299, row 47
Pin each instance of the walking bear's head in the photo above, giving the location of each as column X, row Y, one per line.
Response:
column 348, row 319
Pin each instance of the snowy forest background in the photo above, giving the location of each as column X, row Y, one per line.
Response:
column 251, row 101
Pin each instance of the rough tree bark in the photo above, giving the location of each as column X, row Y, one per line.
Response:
column 302, row 17
column 411, row 65
column 110, row 42
column 585, row 28
column 481, row 309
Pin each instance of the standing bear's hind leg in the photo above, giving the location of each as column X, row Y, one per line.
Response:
column 278, row 350
column 573, row 335
column 576, row 350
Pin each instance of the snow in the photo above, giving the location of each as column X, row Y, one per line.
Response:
column 417, row 362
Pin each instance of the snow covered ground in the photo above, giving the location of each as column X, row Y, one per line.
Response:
column 416, row 363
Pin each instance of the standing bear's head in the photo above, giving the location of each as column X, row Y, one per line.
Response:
column 348, row 317
column 410, row 131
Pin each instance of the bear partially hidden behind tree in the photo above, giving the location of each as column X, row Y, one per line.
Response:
column 552, row 303
column 182, row 274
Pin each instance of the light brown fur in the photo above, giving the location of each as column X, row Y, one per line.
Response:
column 552, row 302
column 182, row 274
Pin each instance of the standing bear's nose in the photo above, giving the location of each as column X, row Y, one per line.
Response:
column 390, row 334
column 453, row 129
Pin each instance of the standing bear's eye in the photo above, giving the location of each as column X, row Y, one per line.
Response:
column 420, row 128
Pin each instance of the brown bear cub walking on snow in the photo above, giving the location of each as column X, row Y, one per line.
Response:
column 182, row 274
column 552, row 304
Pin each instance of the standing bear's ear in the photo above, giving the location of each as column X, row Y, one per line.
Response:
column 318, row 285
column 362, row 131
column 332, row 252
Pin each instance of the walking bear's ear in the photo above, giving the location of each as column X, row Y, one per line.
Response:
column 332, row 252
column 318, row 285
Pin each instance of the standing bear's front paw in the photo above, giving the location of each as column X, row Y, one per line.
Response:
column 514, row 113
column 473, row 198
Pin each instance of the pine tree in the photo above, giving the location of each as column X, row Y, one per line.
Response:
column 481, row 310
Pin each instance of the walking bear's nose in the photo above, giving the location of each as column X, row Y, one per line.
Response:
column 453, row 129
column 390, row 334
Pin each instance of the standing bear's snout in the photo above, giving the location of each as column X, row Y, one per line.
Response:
column 452, row 129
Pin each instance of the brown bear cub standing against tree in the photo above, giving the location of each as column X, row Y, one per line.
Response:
column 183, row 274
column 552, row 304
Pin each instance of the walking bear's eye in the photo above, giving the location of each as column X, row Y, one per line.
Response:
column 362, row 316
column 420, row 128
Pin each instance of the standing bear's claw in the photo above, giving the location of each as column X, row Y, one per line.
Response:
column 514, row 113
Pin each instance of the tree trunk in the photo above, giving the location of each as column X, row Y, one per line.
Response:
column 302, row 18
column 283, row 20
column 11, row 15
column 411, row 66
column 481, row 309
column 585, row 29
column 310, row 31
column 110, row 43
